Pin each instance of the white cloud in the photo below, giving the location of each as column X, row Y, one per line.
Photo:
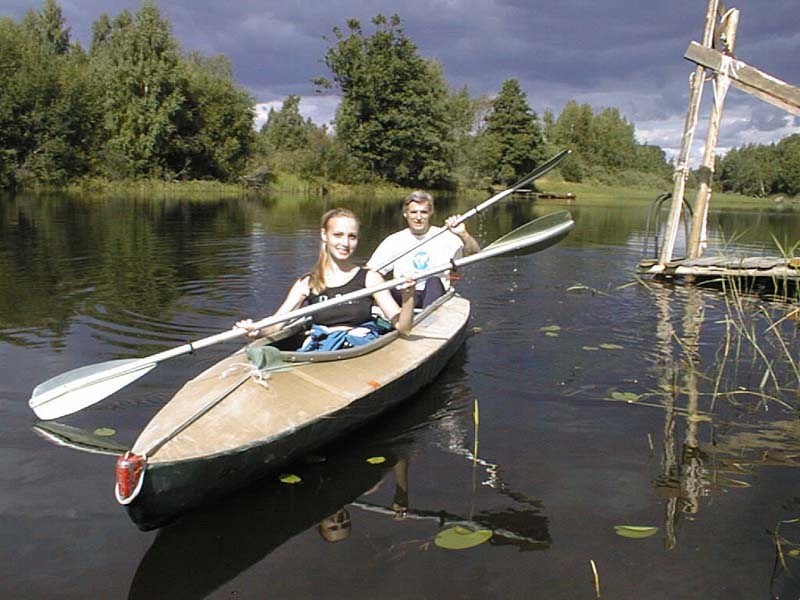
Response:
column 321, row 109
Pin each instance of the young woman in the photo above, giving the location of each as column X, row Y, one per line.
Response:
column 335, row 274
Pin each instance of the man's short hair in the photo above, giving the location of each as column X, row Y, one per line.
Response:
column 418, row 196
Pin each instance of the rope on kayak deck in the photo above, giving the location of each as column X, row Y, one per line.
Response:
column 263, row 361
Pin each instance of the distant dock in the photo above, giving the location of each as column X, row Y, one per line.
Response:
column 533, row 194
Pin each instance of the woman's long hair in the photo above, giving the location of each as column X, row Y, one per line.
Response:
column 317, row 274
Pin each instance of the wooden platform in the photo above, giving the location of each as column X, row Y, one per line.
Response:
column 526, row 193
column 726, row 266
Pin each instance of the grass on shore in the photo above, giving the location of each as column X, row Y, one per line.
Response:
column 613, row 194
column 295, row 185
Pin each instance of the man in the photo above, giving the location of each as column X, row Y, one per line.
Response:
column 442, row 247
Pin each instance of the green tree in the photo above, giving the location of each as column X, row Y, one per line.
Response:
column 134, row 106
column 548, row 125
column 750, row 170
column 286, row 129
column 393, row 114
column 573, row 130
column 296, row 145
column 612, row 141
column 46, row 103
column 216, row 130
column 512, row 140
column 466, row 114
column 788, row 161
column 48, row 29
column 144, row 102
column 605, row 148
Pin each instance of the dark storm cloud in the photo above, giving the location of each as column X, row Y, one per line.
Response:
column 621, row 53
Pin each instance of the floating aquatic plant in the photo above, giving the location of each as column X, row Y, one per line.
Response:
column 461, row 538
column 376, row 460
column 625, row 396
column 635, row 531
column 105, row 431
column 289, row 478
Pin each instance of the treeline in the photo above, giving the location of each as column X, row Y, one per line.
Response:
column 132, row 105
column 399, row 121
column 135, row 105
column 758, row 170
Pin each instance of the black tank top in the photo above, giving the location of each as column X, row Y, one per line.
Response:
column 350, row 314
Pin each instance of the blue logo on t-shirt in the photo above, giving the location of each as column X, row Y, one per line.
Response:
column 422, row 261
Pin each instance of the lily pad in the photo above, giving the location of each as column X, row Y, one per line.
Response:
column 635, row 532
column 550, row 328
column 794, row 553
column 551, row 334
column 612, row 347
column 461, row 538
column 376, row 460
column 105, row 431
column 590, row 348
column 290, row 478
column 625, row 396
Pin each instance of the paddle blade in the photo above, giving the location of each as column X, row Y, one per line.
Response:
column 78, row 439
column 75, row 390
column 534, row 236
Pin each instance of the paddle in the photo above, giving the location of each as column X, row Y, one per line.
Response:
column 77, row 389
column 532, row 176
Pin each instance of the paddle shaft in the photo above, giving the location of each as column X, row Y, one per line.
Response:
column 533, row 175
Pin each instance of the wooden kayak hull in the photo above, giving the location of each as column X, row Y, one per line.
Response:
column 297, row 410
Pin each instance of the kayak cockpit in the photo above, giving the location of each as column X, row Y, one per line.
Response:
column 291, row 338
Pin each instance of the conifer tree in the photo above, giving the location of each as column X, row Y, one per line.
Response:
column 512, row 140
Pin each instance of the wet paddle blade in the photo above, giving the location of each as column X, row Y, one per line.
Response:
column 78, row 439
column 534, row 236
column 75, row 390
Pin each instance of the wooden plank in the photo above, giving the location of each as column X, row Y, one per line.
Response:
column 720, row 266
column 681, row 172
column 748, row 78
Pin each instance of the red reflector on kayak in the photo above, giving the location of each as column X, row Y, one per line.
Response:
column 130, row 476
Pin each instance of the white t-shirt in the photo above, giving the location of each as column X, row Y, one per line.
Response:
column 434, row 253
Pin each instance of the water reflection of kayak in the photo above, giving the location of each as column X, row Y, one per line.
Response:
column 226, row 427
column 207, row 548
column 203, row 550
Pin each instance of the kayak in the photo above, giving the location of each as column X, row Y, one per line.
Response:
column 268, row 404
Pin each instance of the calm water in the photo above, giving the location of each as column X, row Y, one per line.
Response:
column 603, row 402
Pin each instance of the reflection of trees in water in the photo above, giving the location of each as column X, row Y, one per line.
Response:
column 693, row 468
column 72, row 257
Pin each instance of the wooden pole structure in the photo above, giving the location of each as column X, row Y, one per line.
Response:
column 681, row 172
column 748, row 78
column 721, row 83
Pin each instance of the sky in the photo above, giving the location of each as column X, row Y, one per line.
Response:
column 626, row 54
